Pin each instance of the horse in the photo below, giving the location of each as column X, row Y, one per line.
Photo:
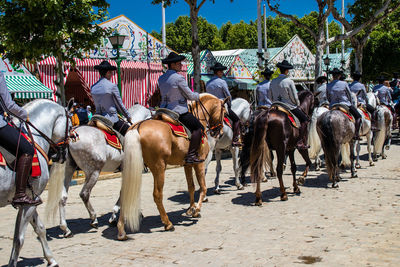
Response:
column 273, row 131
column 53, row 122
column 152, row 142
column 91, row 154
column 382, row 138
column 242, row 108
column 365, row 130
column 313, row 138
column 336, row 131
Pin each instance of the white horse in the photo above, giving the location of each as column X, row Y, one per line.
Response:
column 51, row 119
column 242, row 109
column 365, row 130
column 92, row 155
column 382, row 138
column 313, row 139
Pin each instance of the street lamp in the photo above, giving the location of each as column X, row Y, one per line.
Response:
column 327, row 62
column 117, row 42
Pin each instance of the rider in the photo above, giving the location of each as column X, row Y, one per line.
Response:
column 174, row 95
column 359, row 89
column 282, row 89
column 320, row 93
column 218, row 87
column 384, row 94
column 13, row 142
column 338, row 92
column 263, row 88
column 107, row 98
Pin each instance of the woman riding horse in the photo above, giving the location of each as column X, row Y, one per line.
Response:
column 13, row 142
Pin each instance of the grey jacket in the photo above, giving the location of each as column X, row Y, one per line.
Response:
column 322, row 98
column 175, row 92
column 218, row 87
column 338, row 92
column 262, row 93
column 9, row 103
column 359, row 89
column 107, row 100
column 384, row 95
column 282, row 89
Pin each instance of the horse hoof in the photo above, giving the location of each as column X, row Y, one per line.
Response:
column 264, row 180
column 113, row 221
column 53, row 264
column 196, row 214
column 122, row 237
column 375, row 159
column 69, row 234
column 240, row 187
column 301, row 180
column 95, row 225
column 335, row 185
column 258, row 203
column 205, row 199
column 284, row 197
column 358, row 166
column 387, row 147
column 371, row 164
column 169, row 228
column 217, row 192
column 317, row 169
column 384, row 157
column 297, row 191
column 354, row 175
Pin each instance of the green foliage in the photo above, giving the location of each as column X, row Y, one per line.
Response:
column 242, row 35
column 31, row 29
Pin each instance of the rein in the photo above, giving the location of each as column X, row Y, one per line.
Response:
column 205, row 111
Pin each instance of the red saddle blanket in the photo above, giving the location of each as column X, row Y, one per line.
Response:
column 347, row 114
column 112, row 140
column 226, row 120
column 178, row 130
column 289, row 115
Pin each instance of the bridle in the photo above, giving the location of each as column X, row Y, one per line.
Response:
column 214, row 130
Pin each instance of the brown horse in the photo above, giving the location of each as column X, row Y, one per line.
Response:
column 273, row 130
column 152, row 142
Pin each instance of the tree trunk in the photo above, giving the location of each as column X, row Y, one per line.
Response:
column 358, row 58
column 195, row 49
column 60, row 80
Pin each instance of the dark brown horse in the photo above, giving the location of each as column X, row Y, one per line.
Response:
column 273, row 131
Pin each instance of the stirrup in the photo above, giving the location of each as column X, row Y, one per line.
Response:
column 25, row 200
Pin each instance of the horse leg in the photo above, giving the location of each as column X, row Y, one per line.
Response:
column 235, row 159
column 117, row 206
column 279, row 169
column 159, row 177
column 69, row 171
column 91, row 179
column 306, row 157
column 293, row 168
column 353, row 169
column 358, row 147
column 199, row 170
column 218, row 168
column 40, row 230
column 23, row 218
column 189, row 179
column 371, row 162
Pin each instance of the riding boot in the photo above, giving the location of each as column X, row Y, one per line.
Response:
column 236, row 134
column 24, row 165
column 357, row 129
column 195, row 141
column 373, row 122
column 303, row 136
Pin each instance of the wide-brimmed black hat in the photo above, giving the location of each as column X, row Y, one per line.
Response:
column 172, row 58
column 105, row 65
column 321, row 79
column 335, row 71
column 284, row 65
column 381, row 78
column 356, row 74
column 218, row 66
column 267, row 72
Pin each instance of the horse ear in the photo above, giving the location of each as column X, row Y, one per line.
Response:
column 70, row 103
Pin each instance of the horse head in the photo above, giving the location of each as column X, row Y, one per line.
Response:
column 306, row 99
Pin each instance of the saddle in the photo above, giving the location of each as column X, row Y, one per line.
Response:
column 344, row 109
column 106, row 126
column 262, row 108
column 366, row 113
column 294, row 121
column 172, row 119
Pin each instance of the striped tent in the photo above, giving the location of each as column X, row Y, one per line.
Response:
column 27, row 87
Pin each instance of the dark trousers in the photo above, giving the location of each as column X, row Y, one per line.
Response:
column 9, row 138
column 300, row 115
column 370, row 108
column 354, row 112
column 121, row 127
column 232, row 115
column 190, row 121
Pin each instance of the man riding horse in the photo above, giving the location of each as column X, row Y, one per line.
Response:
column 359, row 89
column 218, row 87
column 338, row 92
column 12, row 140
column 263, row 88
column 320, row 93
column 384, row 94
column 282, row 89
column 107, row 98
column 174, row 95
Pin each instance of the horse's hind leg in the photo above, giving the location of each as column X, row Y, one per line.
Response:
column 189, row 179
column 371, row 162
column 353, row 169
column 91, row 179
column 24, row 215
column 117, row 206
column 358, row 148
column 306, row 157
column 159, row 178
column 279, row 170
column 40, row 230
column 69, row 171
column 218, row 168
column 199, row 169
column 293, row 168
column 235, row 159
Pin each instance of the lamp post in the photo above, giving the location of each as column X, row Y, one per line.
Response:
column 117, row 42
column 327, row 62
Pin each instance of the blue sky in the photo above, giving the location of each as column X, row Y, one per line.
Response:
column 148, row 16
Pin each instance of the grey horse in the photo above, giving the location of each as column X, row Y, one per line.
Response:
column 242, row 108
column 335, row 130
column 92, row 155
column 51, row 119
column 382, row 138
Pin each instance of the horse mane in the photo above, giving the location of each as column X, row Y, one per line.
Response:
column 206, row 97
column 303, row 94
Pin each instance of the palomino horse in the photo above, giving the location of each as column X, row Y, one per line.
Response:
column 153, row 143
column 336, row 130
column 242, row 108
column 92, row 155
column 273, row 130
column 382, row 138
column 52, row 120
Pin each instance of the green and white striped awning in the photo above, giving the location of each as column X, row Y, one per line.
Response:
column 27, row 87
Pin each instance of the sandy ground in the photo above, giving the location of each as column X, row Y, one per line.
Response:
column 357, row 224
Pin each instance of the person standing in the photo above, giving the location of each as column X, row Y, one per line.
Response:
column 89, row 112
column 107, row 98
column 338, row 92
column 174, row 95
column 282, row 89
column 82, row 115
column 219, row 88
column 12, row 140
column 263, row 88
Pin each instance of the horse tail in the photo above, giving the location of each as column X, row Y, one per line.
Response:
column 345, row 152
column 55, row 186
column 244, row 159
column 313, row 138
column 131, row 180
column 260, row 154
column 325, row 132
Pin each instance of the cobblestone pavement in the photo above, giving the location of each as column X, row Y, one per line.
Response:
column 357, row 224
